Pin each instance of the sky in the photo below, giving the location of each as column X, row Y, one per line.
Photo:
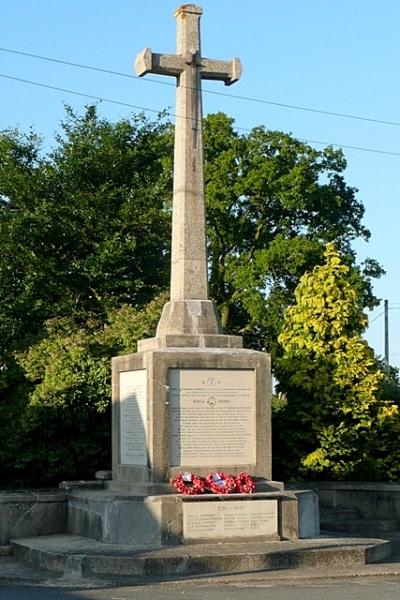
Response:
column 339, row 57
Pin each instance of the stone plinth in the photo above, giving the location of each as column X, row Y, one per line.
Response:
column 203, row 340
column 187, row 317
column 190, row 409
column 154, row 521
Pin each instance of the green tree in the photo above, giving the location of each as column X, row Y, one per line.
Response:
column 64, row 431
column 84, row 230
column 390, row 386
column 87, row 227
column 273, row 203
column 70, row 365
column 330, row 380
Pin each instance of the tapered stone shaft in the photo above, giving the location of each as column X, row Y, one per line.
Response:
column 189, row 259
column 189, row 256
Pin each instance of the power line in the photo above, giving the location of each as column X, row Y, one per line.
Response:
column 376, row 318
column 153, row 110
column 216, row 93
column 381, row 313
column 73, row 64
column 363, row 149
column 84, row 95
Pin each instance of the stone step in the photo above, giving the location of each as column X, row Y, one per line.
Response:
column 77, row 556
column 15, row 571
column 365, row 527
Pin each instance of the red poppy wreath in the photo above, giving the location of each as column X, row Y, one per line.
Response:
column 244, row 483
column 190, row 484
column 221, row 483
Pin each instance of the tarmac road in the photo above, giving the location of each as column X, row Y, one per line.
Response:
column 357, row 589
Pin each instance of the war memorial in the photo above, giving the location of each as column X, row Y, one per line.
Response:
column 190, row 407
column 192, row 400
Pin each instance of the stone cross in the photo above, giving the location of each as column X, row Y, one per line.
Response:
column 189, row 260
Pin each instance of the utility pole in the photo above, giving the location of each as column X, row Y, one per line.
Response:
column 386, row 312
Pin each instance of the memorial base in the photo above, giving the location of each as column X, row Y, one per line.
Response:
column 199, row 404
column 156, row 521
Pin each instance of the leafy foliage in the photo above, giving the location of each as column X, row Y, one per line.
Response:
column 331, row 381
column 70, row 366
column 390, row 385
column 84, row 231
column 64, row 431
column 86, row 228
column 272, row 203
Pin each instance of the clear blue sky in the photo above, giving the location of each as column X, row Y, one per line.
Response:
column 340, row 56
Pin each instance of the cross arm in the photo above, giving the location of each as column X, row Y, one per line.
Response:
column 161, row 64
column 228, row 71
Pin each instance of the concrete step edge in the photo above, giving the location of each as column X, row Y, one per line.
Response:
column 366, row 528
column 89, row 565
column 35, row 556
column 371, row 521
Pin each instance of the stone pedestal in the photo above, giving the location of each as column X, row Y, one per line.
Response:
column 194, row 403
column 162, row 520
column 187, row 317
column 190, row 409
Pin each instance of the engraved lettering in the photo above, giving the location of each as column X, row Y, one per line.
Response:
column 133, row 415
column 232, row 519
column 212, row 418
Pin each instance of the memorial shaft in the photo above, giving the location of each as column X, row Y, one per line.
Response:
column 189, row 259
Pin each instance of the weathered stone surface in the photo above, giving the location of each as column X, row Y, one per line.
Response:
column 189, row 317
column 82, row 557
column 288, row 519
column 308, row 513
column 90, row 484
column 116, row 518
column 103, row 475
column 360, row 508
column 133, row 417
column 212, row 416
column 25, row 514
column 191, row 341
column 378, row 500
column 153, row 521
column 230, row 520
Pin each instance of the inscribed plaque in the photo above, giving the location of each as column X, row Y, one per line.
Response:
column 133, row 411
column 230, row 519
column 212, row 417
